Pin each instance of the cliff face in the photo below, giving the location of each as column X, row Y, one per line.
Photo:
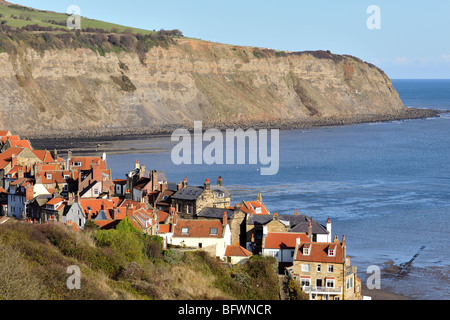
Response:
column 73, row 90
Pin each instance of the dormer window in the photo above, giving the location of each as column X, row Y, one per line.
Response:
column 213, row 231
column 306, row 251
column 77, row 164
column 331, row 252
column 185, row 231
column 258, row 209
column 66, row 177
column 49, row 176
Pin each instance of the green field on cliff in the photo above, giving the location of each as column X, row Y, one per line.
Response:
column 18, row 16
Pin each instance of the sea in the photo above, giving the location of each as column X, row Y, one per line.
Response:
column 385, row 186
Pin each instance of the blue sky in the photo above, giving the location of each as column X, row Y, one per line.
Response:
column 413, row 42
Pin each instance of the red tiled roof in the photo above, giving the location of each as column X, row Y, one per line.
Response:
column 162, row 215
column 96, row 205
column 199, row 228
column 237, row 251
column 318, row 252
column 284, row 240
column 86, row 162
column 5, row 157
column 20, row 143
column 43, row 155
column 252, row 206
column 164, row 228
column 55, row 201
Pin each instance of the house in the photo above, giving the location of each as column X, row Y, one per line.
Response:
column 189, row 201
column 258, row 225
column 21, row 192
column 324, row 271
column 212, row 236
column 53, row 210
column 256, row 207
column 83, row 210
column 12, row 157
column 120, row 187
column 145, row 221
column 141, row 183
column 13, row 141
column 236, row 254
column 236, row 220
column 281, row 246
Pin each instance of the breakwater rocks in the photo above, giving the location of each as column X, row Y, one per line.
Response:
column 63, row 139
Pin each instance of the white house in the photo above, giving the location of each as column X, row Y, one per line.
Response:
column 281, row 246
column 210, row 235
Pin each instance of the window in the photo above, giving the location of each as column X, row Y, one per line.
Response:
column 349, row 283
column 330, row 268
column 66, row 177
column 306, row 251
column 95, row 191
column 184, row 230
column 319, row 268
column 330, row 283
column 213, row 231
column 49, row 176
column 305, row 282
column 77, row 164
column 331, row 252
column 305, row 267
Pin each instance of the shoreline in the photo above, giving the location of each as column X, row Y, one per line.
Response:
column 65, row 140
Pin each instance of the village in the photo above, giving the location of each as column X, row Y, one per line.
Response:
column 42, row 187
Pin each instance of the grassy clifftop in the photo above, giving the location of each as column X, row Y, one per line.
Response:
column 19, row 16
column 119, row 264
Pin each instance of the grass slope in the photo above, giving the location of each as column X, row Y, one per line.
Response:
column 18, row 16
column 120, row 264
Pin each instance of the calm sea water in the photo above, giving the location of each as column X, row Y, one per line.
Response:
column 386, row 186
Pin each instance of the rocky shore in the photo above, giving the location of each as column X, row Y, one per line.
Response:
column 63, row 140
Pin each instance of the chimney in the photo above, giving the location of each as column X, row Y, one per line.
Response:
column 336, row 239
column 115, row 213
column 136, row 164
column 329, row 230
column 296, row 212
column 219, row 181
column 179, row 186
column 89, row 215
column 13, row 161
column 155, row 183
column 259, row 197
column 29, row 193
column 96, row 172
column 185, row 182
column 297, row 246
column 225, row 219
column 275, row 216
column 207, row 184
column 69, row 155
column 344, row 250
column 310, row 232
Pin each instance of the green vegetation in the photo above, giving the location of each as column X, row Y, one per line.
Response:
column 22, row 27
column 18, row 17
column 120, row 264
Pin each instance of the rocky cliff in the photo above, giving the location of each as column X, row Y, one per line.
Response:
column 68, row 90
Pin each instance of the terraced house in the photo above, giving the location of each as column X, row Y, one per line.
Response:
column 324, row 271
